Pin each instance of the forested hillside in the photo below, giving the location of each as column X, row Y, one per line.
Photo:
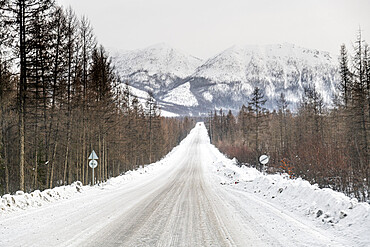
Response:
column 60, row 98
column 327, row 146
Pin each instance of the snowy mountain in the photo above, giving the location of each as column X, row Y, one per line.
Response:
column 157, row 68
column 185, row 85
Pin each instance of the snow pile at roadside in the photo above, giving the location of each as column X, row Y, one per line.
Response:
column 21, row 201
column 37, row 198
column 326, row 207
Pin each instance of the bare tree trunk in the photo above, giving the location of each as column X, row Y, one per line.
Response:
column 67, row 158
column 65, row 167
column 84, row 180
column 6, row 170
column 70, row 171
column 5, row 152
column 52, row 165
column 101, row 170
column 21, row 143
column 257, row 152
column 106, row 160
column 36, row 167
column 78, row 166
column 114, row 169
column 22, row 91
column 102, row 161
column 84, row 158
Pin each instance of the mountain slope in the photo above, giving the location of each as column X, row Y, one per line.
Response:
column 231, row 76
column 156, row 68
column 227, row 79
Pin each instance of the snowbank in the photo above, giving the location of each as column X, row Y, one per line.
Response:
column 21, row 200
column 329, row 208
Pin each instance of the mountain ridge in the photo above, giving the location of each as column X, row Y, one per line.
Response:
column 227, row 79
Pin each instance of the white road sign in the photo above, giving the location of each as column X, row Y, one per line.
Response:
column 264, row 159
column 93, row 156
column 93, row 164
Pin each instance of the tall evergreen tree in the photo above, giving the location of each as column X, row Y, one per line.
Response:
column 257, row 103
column 345, row 83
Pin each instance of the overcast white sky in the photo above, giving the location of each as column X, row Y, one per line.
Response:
column 206, row 27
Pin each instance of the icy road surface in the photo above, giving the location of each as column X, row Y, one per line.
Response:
column 180, row 204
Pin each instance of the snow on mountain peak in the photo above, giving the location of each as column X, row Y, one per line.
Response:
column 184, row 83
column 237, row 63
column 156, row 59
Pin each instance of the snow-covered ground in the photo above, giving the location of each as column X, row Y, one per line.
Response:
column 324, row 211
column 195, row 196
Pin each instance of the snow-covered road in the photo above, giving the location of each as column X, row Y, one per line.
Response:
column 179, row 203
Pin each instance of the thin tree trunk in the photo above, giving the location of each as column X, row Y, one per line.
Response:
column 52, row 166
column 102, row 160
column 84, row 158
column 65, row 167
column 5, row 152
column 257, row 118
column 6, row 170
column 70, row 172
column 84, row 180
column 101, row 170
column 22, row 91
column 66, row 162
column 78, row 168
column 22, row 145
column 106, row 160
column 35, row 184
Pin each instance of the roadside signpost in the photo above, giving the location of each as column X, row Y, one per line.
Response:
column 93, row 156
column 93, row 163
column 264, row 159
